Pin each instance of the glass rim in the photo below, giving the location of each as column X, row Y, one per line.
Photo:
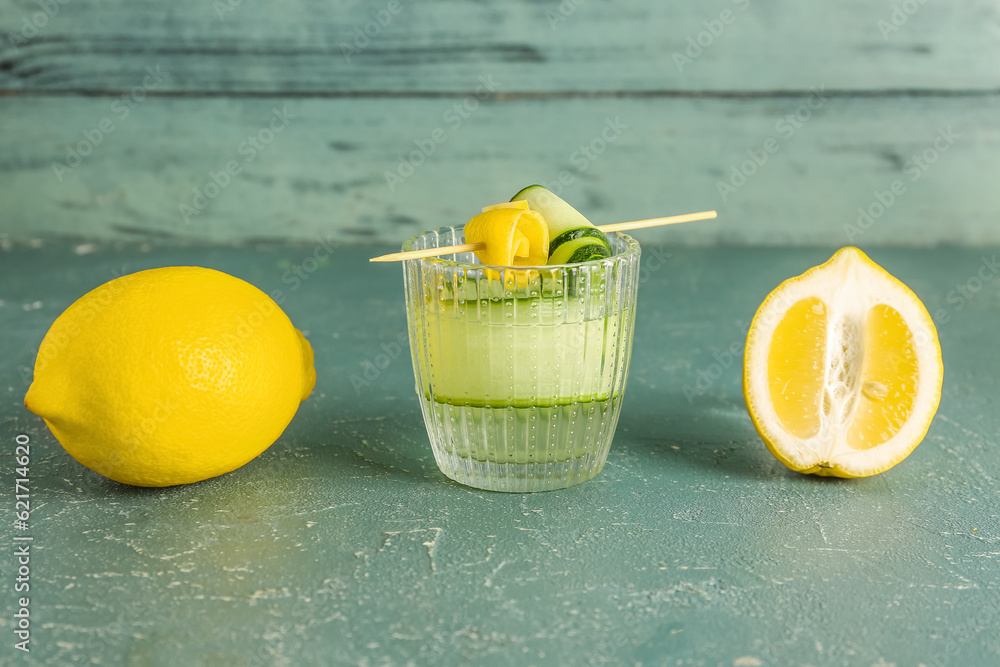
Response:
column 632, row 250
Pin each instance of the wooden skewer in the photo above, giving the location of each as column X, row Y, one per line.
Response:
column 616, row 227
column 658, row 222
column 428, row 252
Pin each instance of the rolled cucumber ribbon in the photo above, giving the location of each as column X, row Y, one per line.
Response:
column 514, row 235
column 572, row 237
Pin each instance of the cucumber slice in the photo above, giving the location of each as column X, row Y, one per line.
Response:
column 580, row 232
column 580, row 249
column 565, row 223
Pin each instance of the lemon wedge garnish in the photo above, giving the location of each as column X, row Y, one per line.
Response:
column 513, row 234
column 843, row 369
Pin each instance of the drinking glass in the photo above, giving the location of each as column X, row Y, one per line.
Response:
column 520, row 371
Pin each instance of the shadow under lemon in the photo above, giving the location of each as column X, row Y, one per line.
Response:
column 706, row 432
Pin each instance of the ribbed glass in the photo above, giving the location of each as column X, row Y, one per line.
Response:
column 520, row 372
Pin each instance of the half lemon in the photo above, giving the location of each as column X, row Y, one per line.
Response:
column 843, row 370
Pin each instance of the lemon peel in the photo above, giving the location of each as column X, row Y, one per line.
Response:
column 514, row 235
column 170, row 376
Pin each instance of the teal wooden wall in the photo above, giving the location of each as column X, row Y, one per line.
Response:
column 240, row 120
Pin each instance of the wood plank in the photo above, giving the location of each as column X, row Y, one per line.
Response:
column 446, row 45
column 325, row 173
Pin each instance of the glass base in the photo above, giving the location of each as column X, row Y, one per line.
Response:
column 519, row 478
column 521, row 450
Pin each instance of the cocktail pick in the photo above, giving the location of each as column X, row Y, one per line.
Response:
column 616, row 227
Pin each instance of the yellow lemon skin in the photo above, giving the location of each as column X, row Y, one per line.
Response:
column 170, row 376
column 513, row 234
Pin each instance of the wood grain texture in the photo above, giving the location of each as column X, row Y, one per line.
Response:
column 324, row 174
column 610, row 46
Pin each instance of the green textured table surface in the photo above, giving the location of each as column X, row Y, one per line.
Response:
column 343, row 544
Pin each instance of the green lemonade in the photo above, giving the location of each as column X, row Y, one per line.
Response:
column 522, row 380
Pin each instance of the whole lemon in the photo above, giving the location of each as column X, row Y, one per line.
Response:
column 170, row 376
